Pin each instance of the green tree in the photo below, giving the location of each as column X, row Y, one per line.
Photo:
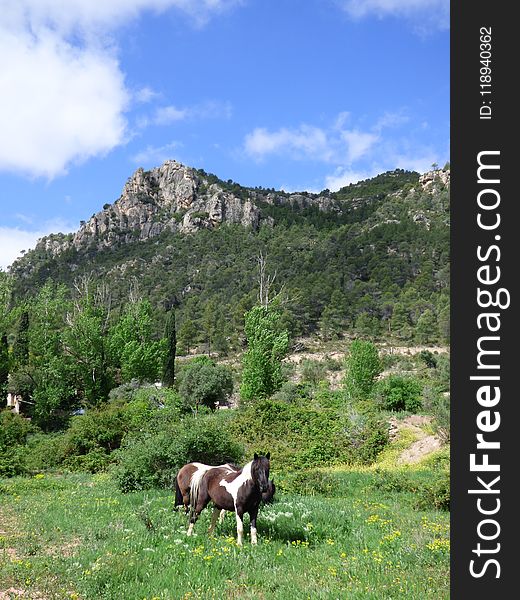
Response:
column 427, row 327
column 363, row 365
column 85, row 342
column 332, row 317
column 204, row 383
column 400, row 322
column 267, row 344
column 187, row 335
column 210, row 323
column 50, row 372
column 131, row 345
column 444, row 324
column 368, row 325
column 171, row 349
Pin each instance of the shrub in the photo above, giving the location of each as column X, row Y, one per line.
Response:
column 437, row 403
column 152, row 459
column 204, row 383
column 14, row 429
column 428, row 359
column 300, row 436
column 435, row 493
column 398, row 393
column 313, row 371
column 44, row 451
column 11, row 462
column 292, row 392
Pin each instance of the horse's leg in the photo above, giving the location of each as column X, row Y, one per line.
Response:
column 214, row 517
column 202, row 502
column 186, row 502
column 221, row 517
column 253, row 514
column 240, row 525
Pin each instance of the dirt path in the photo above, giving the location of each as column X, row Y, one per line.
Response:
column 423, row 446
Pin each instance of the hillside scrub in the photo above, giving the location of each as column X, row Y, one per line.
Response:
column 397, row 393
column 302, row 435
column 152, row 458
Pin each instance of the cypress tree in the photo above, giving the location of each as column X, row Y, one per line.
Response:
column 4, row 364
column 171, row 339
column 21, row 345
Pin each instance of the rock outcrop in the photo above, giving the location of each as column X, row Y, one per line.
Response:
column 175, row 198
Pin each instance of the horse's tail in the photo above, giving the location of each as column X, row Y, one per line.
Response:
column 178, row 493
column 195, row 487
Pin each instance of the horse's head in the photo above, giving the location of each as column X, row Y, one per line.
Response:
column 260, row 471
column 268, row 495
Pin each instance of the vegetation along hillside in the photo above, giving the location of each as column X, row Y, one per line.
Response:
column 319, row 321
column 372, row 257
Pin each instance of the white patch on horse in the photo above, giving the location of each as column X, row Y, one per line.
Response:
column 202, row 468
column 232, row 487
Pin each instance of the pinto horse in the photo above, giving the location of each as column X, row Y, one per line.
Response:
column 186, row 474
column 238, row 491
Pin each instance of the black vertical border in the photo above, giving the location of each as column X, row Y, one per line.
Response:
column 469, row 136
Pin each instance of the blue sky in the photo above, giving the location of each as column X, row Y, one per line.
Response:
column 287, row 94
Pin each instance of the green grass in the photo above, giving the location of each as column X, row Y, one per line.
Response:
column 78, row 537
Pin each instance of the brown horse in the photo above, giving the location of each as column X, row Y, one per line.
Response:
column 238, row 491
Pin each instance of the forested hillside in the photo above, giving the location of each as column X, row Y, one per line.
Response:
column 372, row 258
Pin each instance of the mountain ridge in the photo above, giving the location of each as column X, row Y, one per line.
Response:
column 181, row 199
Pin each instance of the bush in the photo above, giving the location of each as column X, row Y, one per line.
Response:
column 398, row 393
column 152, row 459
column 43, row 452
column 14, row 430
column 435, row 493
column 292, row 392
column 300, row 436
column 437, row 403
column 11, row 462
column 204, row 383
column 313, row 371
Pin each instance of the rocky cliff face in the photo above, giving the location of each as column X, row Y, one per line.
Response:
column 171, row 197
column 175, row 198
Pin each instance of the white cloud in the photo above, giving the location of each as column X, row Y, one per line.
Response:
column 304, row 142
column 86, row 16
column 333, row 145
column 354, row 153
column 169, row 114
column 64, row 96
column 59, row 103
column 15, row 239
column 145, row 94
column 156, row 154
column 424, row 14
column 342, row 177
column 166, row 115
column 358, row 143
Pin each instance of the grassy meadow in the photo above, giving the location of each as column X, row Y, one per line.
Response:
column 356, row 532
